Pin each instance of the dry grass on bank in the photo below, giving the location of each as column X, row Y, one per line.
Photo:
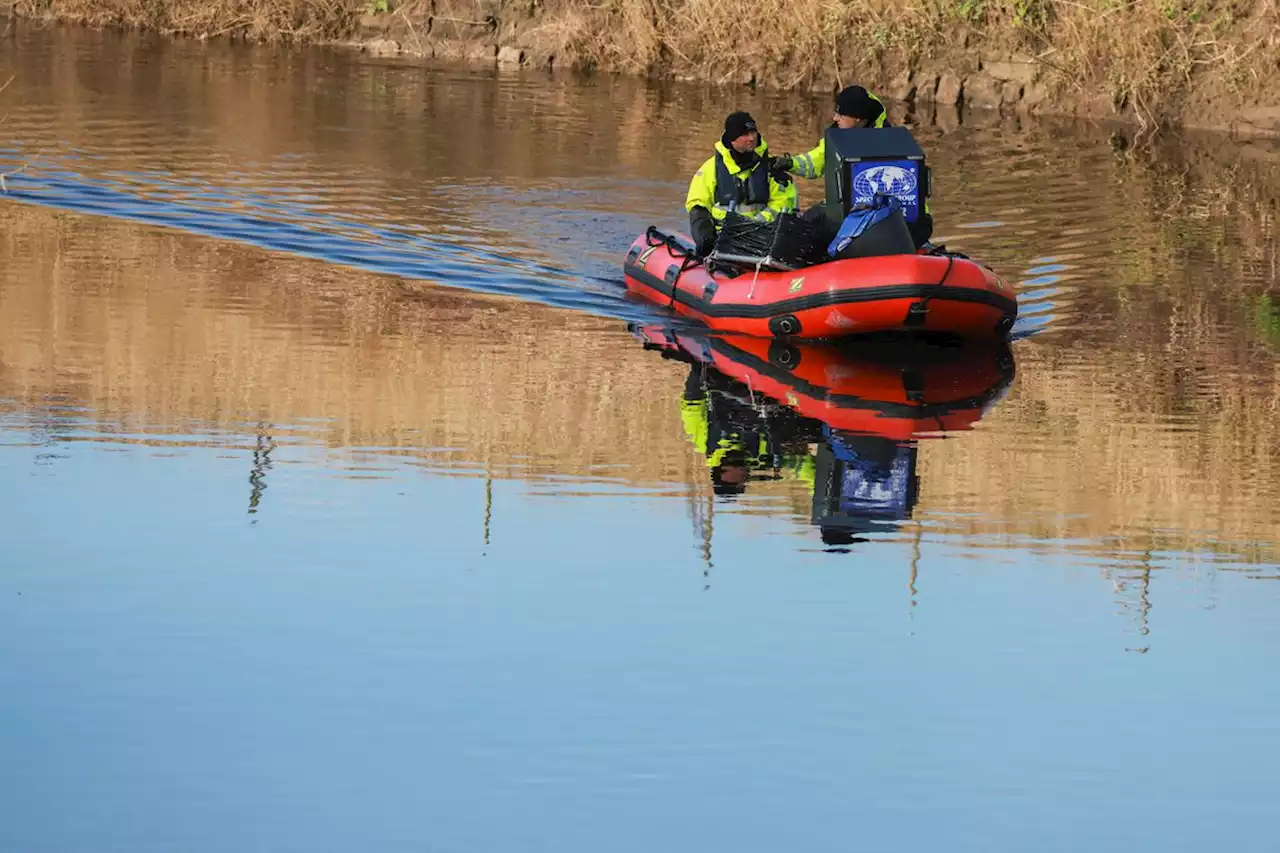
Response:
column 1141, row 54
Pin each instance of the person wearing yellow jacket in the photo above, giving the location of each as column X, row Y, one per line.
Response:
column 726, row 450
column 738, row 177
column 855, row 107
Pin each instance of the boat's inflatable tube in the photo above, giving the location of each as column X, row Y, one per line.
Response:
column 888, row 293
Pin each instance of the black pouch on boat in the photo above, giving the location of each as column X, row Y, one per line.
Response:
column 800, row 242
column 742, row 235
column 789, row 240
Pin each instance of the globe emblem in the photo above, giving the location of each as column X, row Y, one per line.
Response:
column 885, row 180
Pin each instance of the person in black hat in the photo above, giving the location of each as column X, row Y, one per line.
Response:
column 737, row 177
column 854, row 107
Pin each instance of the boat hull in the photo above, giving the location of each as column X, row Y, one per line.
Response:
column 931, row 293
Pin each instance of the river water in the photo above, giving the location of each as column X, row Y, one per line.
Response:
column 345, row 508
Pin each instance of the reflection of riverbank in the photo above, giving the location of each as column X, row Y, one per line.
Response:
column 551, row 171
column 1120, row 442
column 1122, row 447
column 1161, row 66
column 376, row 124
column 185, row 333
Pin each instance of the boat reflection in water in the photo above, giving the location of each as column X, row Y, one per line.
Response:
column 846, row 419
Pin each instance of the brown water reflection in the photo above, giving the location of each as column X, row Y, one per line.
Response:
column 1143, row 413
column 1107, row 448
column 182, row 332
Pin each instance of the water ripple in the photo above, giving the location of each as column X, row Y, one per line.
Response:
column 276, row 225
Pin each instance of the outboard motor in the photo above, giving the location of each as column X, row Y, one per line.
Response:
column 865, row 167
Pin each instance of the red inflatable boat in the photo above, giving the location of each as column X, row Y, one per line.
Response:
column 923, row 292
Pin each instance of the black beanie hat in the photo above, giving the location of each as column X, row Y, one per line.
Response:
column 853, row 101
column 738, row 124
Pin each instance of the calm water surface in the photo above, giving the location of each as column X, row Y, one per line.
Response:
column 345, row 507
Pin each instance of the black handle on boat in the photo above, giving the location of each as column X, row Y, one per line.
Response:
column 688, row 258
column 654, row 237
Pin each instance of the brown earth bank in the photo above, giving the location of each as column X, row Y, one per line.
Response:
column 1155, row 63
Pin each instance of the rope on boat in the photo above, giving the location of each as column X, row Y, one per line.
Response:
column 752, row 291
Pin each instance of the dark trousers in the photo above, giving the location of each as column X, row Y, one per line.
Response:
column 922, row 229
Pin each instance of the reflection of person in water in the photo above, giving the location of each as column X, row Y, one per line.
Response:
column 857, row 482
column 737, row 438
column 729, row 475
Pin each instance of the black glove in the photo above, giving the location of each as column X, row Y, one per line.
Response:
column 702, row 229
column 778, row 169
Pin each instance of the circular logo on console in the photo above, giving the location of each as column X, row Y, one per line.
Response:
column 885, row 180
